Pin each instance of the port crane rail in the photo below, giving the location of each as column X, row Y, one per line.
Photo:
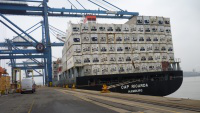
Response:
column 42, row 49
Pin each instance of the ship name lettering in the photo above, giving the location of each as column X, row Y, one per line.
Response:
column 125, row 87
column 139, row 85
column 135, row 91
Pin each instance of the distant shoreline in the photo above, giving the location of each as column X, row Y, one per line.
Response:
column 191, row 74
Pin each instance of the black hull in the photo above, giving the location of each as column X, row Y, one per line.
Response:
column 149, row 83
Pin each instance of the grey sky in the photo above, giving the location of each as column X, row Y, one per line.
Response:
column 184, row 14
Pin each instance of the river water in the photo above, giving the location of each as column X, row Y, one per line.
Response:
column 189, row 89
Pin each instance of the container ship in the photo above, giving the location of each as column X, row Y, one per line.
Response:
column 136, row 57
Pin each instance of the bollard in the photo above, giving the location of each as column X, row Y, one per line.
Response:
column 105, row 89
column 73, row 86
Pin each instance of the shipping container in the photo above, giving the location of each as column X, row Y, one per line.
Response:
column 110, row 28
column 73, row 29
column 133, row 28
column 102, row 28
column 148, row 39
column 74, row 61
column 128, row 68
column 95, row 49
column 154, row 29
column 153, row 20
column 155, row 38
column 140, row 20
column 147, row 29
column 120, row 58
column 93, row 28
column 167, row 30
column 118, row 27
column 120, row 48
column 113, row 69
column 141, row 38
column 125, row 28
column 149, row 48
column 128, row 58
column 158, row 67
column 169, row 39
column 96, row 70
column 127, row 38
column 156, row 47
column 171, row 57
column 111, row 48
column 87, row 70
column 105, row 69
column 112, row 58
column 144, row 67
column 87, row 59
column 111, row 38
column 121, row 68
column 94, row 38
column 74, row 39
column 86, row 49
column 135, row 48
column 164, row 57
column 170, row 48
column 127, row 48
column 140, row 29
column 157, row 57
column 143, row 57
column 136, row 58
column 162, row 39
column 84, row 28
column 142, row 48
column 150, row 57
column 103, row 48
column 134, row 38
column 85, row 38
column 167, row 21
column 163, row 47
column 95, row 59
column 146, row 19
column 119, row 38
column 160, row 20
column 151, row 67
column 104, row 59
column 161, row 30
column 136, row 67
column 102, row 38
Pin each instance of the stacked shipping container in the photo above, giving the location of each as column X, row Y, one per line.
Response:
column 140, row 45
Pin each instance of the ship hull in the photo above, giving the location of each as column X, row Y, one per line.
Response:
column 150, row 83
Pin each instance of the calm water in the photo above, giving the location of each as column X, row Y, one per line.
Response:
column 190, row 89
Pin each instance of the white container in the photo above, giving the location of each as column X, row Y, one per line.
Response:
column 155, row 38
column 170, row 48
column 84, row 28
column 163, row 47
column 160, row 20
column 146, row 19
column 157, row 57
column 143, row 57
column 119, row 38
column 120, row 48
column 148, row 39
column 151, row 67
column 105, row 69
column 164, row 57
column 141, row 38
column 118, row 28
column 94, row 38
column 158, row 66
column 112, row 58
column 86, row 48
column 144, row 67
column 128, row 58
column 156, row 47
column 154, row 29
column 111, row 38
column 96, row 70
column 135, row 48
column 167, row 30
column 149, row 47
column 95, row 59
column 95, row 49
column 147, row 29
column 85, row 38
column 102, row 38
column 76, row 49
column 93, row 27
column 74, row 61
column 142, row 48
column 140, row 20
column 102, row 28
column 87, row 70
column 111, row 48
column 73, row 28
column 167, row 21
column 136, row 67
column 140, row 29
column 136, row 58
column 64, row 66
column 113, row 69
column 128, row 68
column 153, row 20
column 104, row 59
column 150, row 57
column 103, row 48
column 74, row 39
column 133, row 28
column 125, row 28
column 120, row 58
column 87, row 59
column 110, row 28
column 127, row 38
column 171, row 57
column 134, row 38
column 121, row 68
column 169, row 39
column 127, row 48
column 161, row 30
column 162, row 39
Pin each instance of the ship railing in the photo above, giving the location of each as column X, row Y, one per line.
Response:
column 172, row 65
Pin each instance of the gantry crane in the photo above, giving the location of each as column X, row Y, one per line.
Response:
column 42, row 49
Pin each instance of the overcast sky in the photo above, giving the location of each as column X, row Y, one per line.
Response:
column 184, row 14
